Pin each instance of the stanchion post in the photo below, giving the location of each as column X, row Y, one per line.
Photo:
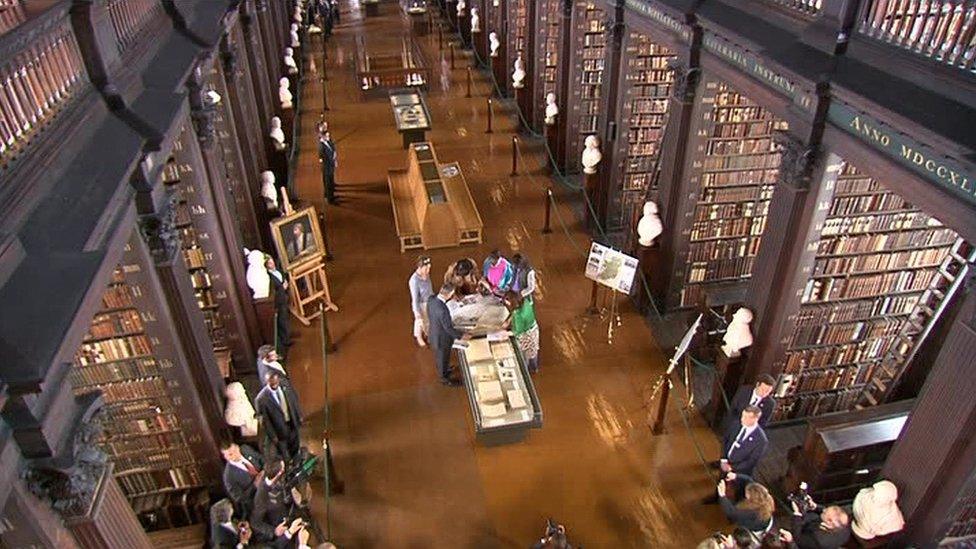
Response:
column 515, row 144
column 489, row 116
column 591, row 309
column 549, row 199
column 325, row 237
column 468, row 94
column 452, row 55
column 440, row 36
column 662, row 406
column 328, row 345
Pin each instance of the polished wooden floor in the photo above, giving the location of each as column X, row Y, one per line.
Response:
column 403, row 443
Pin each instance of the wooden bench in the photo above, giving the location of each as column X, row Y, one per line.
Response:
column 432, row 205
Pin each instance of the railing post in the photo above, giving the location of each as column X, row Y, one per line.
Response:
column 515, row 144
column 468, row 93
column 489, row 116
column 548, row 198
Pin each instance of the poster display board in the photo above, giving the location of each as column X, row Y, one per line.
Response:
column 611, row 268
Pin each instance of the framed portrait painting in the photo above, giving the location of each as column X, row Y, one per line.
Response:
column 297, row 238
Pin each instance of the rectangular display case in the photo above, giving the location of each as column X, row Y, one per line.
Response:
column 411, row 115
column 504, row 404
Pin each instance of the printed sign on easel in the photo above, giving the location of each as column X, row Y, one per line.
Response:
column 611, row 268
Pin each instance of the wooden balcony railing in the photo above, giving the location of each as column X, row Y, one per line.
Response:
column 12, row 13
column 943, row 30
column 34, row 85
column 129, row 17
column 806, row 7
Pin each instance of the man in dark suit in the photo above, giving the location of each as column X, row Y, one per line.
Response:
column 224, row 532
column 242, row 473
column 277, row 403
column 821, row 528
column 279, row 287
column 442, row 332
column 760, row 394
column 744, row 446
column 329, row 158
column 271, row 509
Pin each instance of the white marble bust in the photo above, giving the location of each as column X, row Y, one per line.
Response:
column 239, row 412
column 738, row 336
column 295, row 42
column 552, row 109
column 257, row 275
column 591, row 156
column 277, row 134
column 268, row 190
column 518, row 75
column 290, row 61
column 475, row 20
column 649, row 227
column 461, row 5
column 495, row 44
column 284, row 93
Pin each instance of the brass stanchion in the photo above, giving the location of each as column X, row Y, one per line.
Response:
column 489, row 116
column 468, row 94
column 452, row 55
column 549, row 199
column 515, row 142
column 328, row 345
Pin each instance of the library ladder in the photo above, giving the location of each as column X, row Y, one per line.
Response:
column 926, row 311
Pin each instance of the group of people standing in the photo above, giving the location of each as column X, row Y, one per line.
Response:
column 512, row 282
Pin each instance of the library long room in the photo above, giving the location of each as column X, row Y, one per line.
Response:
column 470, row 273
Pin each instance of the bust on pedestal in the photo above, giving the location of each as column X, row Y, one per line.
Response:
column 269, row 191
column 284, row 93
column 293, row 32
column 239, row 412
column 475, row 20
column 649, row 227
column 738, row 336
column 591, row 156
column 277, row 134
column 461, row 5
column 290, row 65
column 258, row 279
column 518, row 75
column 494, row 43
column 552, row 109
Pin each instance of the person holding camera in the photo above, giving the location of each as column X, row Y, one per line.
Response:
column 816, row 527
column 272, row 507
column 242, row 474
column 224, row 532
column 277, row 403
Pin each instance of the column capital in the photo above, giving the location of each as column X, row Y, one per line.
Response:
column 797, row 160
column 685, row 80
column 159, row 230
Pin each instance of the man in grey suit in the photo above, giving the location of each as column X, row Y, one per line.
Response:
column 442, row 332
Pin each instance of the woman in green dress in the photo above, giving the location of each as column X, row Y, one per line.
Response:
column 523, row 325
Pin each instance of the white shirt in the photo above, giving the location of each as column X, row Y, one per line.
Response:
column 743, row 434
column 240, row 464
column 755, row 399
column 277, row 275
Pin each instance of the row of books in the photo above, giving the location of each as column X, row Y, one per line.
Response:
column 744, row 162
column 647, row 48
column 728, row 228
column 881, row 261
column 113, row 349
column 738, row 113
column 642, row 89
column 194, row 258
column 692, row 295
column 636, row 179
column 845, row 353
column 827, row 289
column 135, row 426
column 651, row 104
column 737, row 194
column 588, row 124
column 811, row 404
column 594, row 26
column 180, row 455
column 134, row 388
column 857, row 185
column 705, row 211
column 863, row 309
column 900, row 222
column 110, row 324
column 117, row 297
column 200, row 279
column 648, row 146
column 868, row 203
column 141, row 445
column 114, row 372
column 653, row 76
column 712, row 250
column 593, row 64
column 829, row 379
column 885, row 241
column 641, row 119
column 739, row 146
column 654, row 62
column 592, row 78
column 720, row 269
column 747, row 177
column 824, row 334
column 749, row 129
column 144, row 483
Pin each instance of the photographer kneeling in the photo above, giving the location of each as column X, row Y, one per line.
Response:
column 272, row 507
column 816, row 527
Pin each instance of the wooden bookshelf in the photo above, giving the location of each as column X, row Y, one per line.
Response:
column 645, row 84
column 585, row 105
column 737, row 171
column 548, row 44
column 882, row 272
column 520, row 39
column 151, row 427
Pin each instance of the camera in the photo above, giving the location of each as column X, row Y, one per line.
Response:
column 299, row 469
column 804, row 503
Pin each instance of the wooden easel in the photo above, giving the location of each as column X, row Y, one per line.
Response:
column 307, row 284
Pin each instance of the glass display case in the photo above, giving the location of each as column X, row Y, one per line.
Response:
column 504, row 404
column 410, row 114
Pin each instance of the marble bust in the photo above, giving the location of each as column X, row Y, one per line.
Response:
column 552, row 109
column 494, row 42
column 290, row 61
column 284, row 93
column 649, row 227
column 518, row 75
column 738, row 336
column 591, row 156
column 277, row 134
column 475, row 20
column 257, row 276
column 268, row 190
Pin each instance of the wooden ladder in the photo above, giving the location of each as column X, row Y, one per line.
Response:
column 927, row 310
